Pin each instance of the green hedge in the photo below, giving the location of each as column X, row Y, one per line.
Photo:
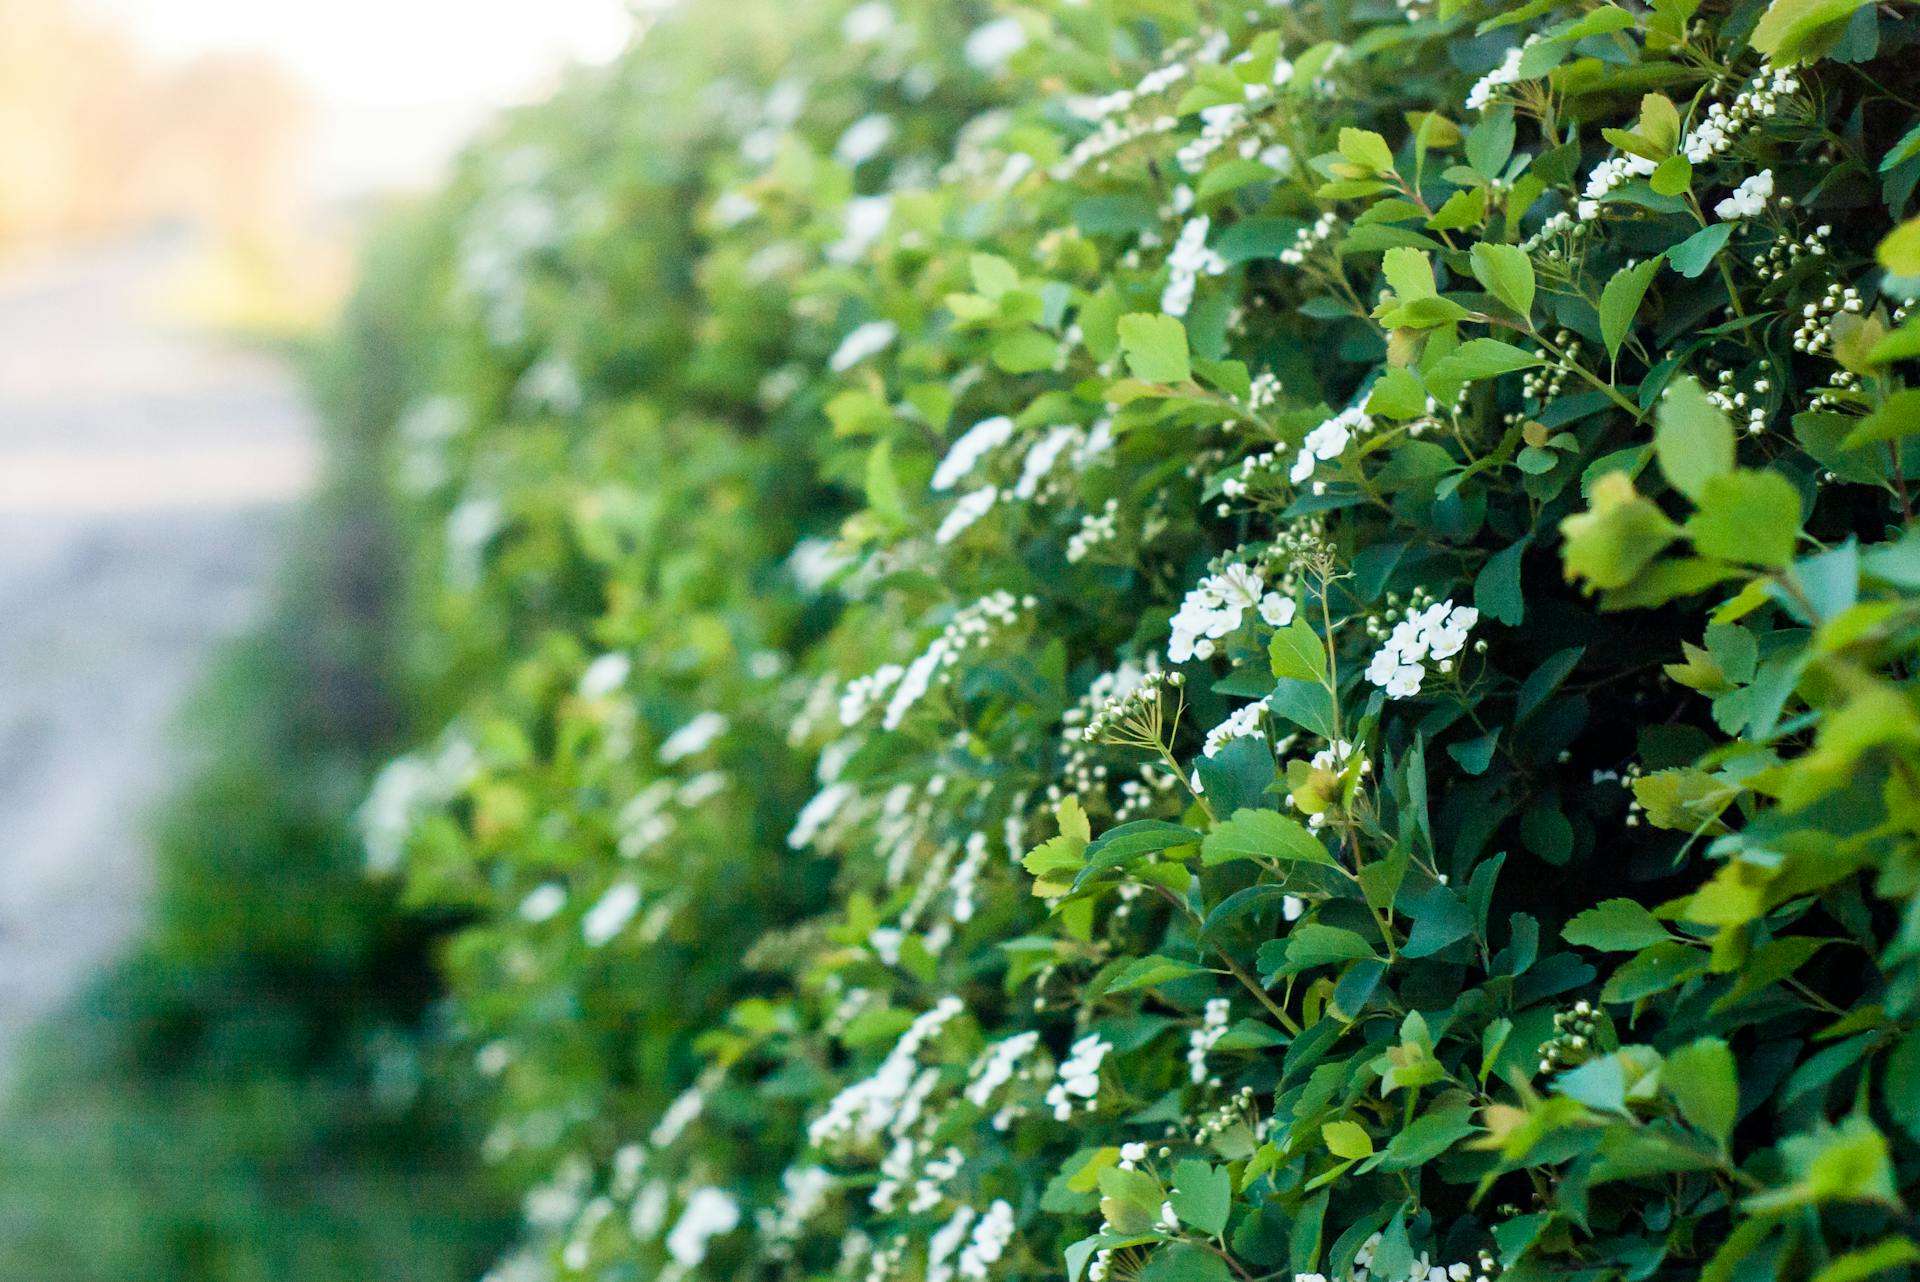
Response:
column 1210, row 642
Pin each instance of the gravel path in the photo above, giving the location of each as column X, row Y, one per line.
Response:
column 144, row 474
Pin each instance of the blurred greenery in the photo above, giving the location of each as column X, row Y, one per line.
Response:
column 238, row 1100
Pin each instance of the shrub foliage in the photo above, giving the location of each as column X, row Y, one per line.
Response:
column 1185, row 640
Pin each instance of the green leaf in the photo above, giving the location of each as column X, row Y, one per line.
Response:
column 1799, row 30
column 1611, row 543
column 1655, row 970
column 1152, row 970
column 1262, row 834
column 1749, row 517
column 1899, row 253
column 1347, row 1139
column 1155, row 347
column 993, row 276
column 1620, row 300
column 1025, row 351
column 1673, row 176
column 1870, row 1261
column 1129, row 841
column 1297, row 651
column 1409, row 272
column 1480, row 358
column 1507, row 273
column 1312, row 944
column 1615, row 925
column 1704, row 1083
column 1496, row 589
column 1695, row 254
column 1364, row 147
column 1895, row 420
column 1692, row 439
column 1184, row 1262
column 1201, row 1195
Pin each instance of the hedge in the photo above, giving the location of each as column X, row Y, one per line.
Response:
column 1144, row 638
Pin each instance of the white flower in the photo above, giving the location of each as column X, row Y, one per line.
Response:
column 992, row 44
column 1384, row 664
column 1505, row 74
column 1302, row 467
column 867, row 23
column 866, row 340
column 990, row 1238
column 864, row 139
column 968, row 509
column 610, row 916
column 693, row 737
column 1406, row 681
column 1749, row 199
column 605, row 675
column 709, row 1212
column 1276, row 611
column 969, row 448
column 1079, row 1076
column 1239, row 725
column 1239, row 587
column 543, row 902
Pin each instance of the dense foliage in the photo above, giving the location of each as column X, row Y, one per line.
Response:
column 1185, row 640
column 241, row 1098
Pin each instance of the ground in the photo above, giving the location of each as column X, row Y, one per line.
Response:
column 145, row 473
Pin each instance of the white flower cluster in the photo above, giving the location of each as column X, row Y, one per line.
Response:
column 1814, row 334
column 968, row 449
column 1079, row 1076
column 1213, row 1026
column 1508, row 72
column 1238, row 725
column 868, row 339
column 1095, row 529
column 1308, row 239
column 1437, row 632
column 1750, row 406
column 1328, row 441
column 969, row 508
column 1722, row 124
column 610, row 915
column 1189, row 260
column 1749, row 199
column 806, row 1189
column 1610, row 173
column 709, row 1213
column 997, row 1066
column 1424, row 1270
column 404, row 790
column 695, row 736
column 990, row 1238
column 860, row 1112
column 1215, row 608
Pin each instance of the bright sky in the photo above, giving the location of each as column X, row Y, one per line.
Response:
column 398, row 83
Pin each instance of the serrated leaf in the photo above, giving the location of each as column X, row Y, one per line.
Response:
column 1297, row 651
column 1151, row 971
column 1507, row 273
column 1481, row 358
column 1620, row 301
column 1615, row 925
column 1262, row 834
column 1202, row 1194
column 1155, row 347
column 1692, row 439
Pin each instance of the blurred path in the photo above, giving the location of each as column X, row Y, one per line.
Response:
column 144, row 474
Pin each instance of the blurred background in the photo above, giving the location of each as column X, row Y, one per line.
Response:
column 209, row 1023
